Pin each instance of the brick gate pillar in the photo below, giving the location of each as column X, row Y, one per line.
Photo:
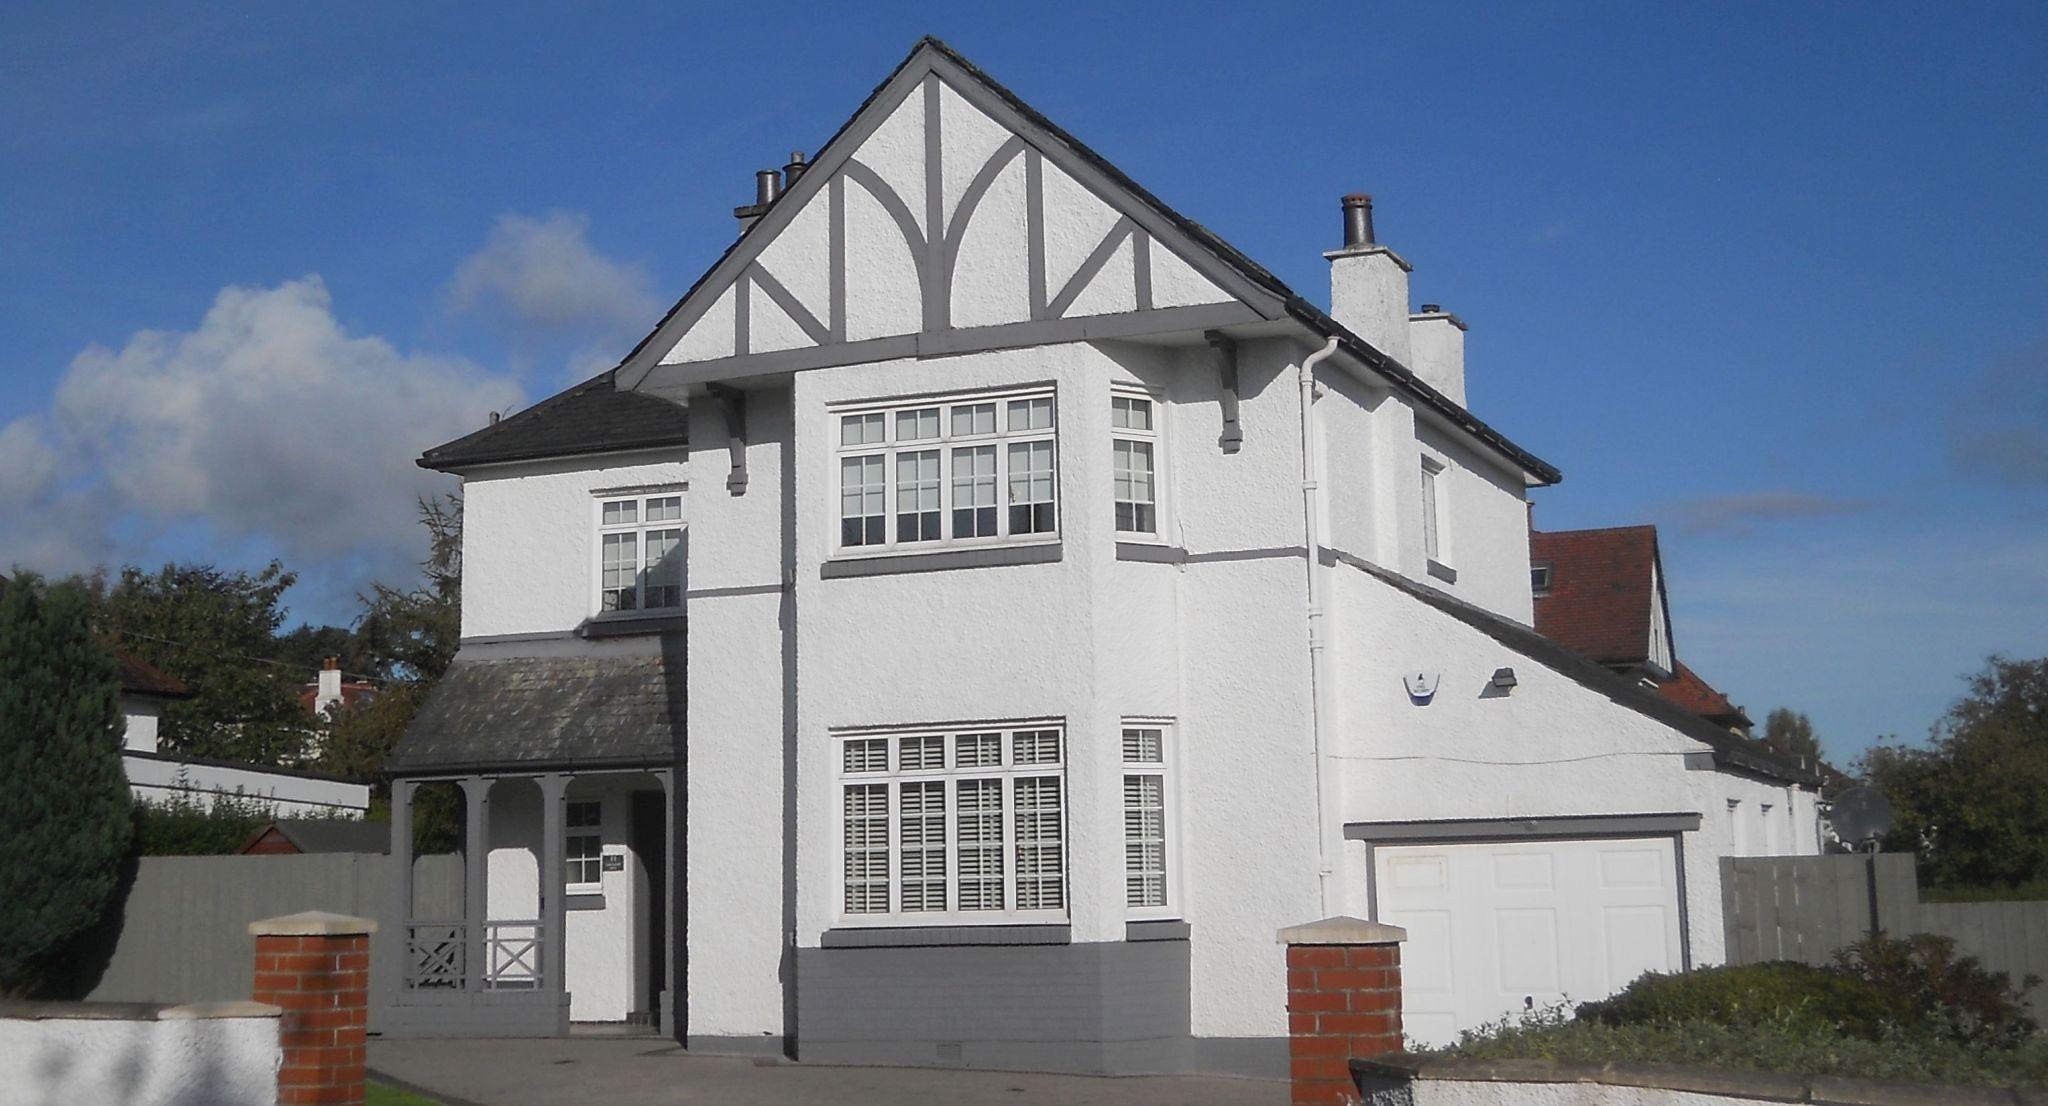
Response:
column 316, row 968
column 1343, row 1003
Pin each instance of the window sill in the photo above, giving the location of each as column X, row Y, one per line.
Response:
column 1150, row 552
column 942, row 560
column 1156, row 929
column 1442, row 571
column 883, row 937
column 626, row 625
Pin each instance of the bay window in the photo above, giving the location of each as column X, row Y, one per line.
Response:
column 954, row 826
column 928, row 474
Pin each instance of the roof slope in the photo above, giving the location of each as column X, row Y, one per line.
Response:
column 1600, row 599
column 592, row 417
column 1698, row 696
column 139, row 677
column 1275, row 299
column 554, row 711
column 332, row 835
column 1729, row 750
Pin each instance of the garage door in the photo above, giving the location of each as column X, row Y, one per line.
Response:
column 1493, row 928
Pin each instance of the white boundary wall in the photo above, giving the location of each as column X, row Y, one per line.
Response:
column 218, row 1054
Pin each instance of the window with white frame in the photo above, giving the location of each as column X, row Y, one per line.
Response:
column 583, row 844
column 1148, row 789
column 1432, row 509
column 640, row 552
column 940, row 472
column 965, row 825
column 1134, row 444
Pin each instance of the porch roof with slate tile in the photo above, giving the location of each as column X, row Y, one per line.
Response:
column 548, row 712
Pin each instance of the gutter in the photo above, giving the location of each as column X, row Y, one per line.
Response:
column 1318, row 675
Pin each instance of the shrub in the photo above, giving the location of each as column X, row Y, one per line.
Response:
column 184, row 827
column 1955, row 996
column 1778, row 993
column 64, row 805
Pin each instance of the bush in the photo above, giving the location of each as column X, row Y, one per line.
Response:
column 184, row 827
column 64, row 805
column 1954, row 996
column 1778, row 993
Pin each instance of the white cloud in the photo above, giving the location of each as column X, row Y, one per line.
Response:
column 546, row 274
column 267, row 423
column 1739, row 513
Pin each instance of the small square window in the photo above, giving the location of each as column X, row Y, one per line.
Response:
column 1539, row 579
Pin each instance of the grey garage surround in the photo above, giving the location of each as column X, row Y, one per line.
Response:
column 886, row 937
column 1512, row 829
column 1110, row 1007
column 1046, row 553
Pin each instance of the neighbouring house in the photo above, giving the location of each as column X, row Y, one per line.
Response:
column 1070, row 606
column 319, row 835
column 332, row 690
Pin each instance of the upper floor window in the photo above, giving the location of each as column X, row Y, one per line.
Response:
column 944, row 471
column 1539, row 578
column 961, row 826
column 1433, row 536
column 640, row 553
column 1134, row 441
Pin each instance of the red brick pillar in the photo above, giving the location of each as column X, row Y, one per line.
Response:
column 316, row 968
column 1343, row 1002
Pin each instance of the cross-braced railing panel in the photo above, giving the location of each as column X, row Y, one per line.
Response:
column 434, row 955
column 512, row 955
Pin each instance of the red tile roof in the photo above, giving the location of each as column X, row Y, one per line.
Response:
column 1699, row 697
column 139, row 677
column 1600, row 598
column 352, row 692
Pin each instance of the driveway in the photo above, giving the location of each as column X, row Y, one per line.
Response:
column 645, row 1071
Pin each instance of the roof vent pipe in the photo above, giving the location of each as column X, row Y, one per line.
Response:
column 794, row 169
column 1358, row 220
column 767, row 186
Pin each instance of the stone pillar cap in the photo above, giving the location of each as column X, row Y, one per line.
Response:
column 1343, row 930
column 313, row 923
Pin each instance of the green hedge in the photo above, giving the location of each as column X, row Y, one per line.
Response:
column 183, row 827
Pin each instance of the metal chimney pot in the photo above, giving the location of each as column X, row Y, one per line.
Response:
column 1358, row 220
column 794, row 169
column 767, row 186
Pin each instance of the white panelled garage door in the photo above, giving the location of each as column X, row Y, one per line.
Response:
column 1494, row 927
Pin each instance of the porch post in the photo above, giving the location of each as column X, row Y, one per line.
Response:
column 397, row 935
column 670, row 1001
column 476, row 864
column 554, row 980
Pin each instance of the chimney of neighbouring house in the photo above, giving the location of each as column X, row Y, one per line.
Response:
column 1437, row 339
column 329, row 692
column 1369, row 283
column 767, row 186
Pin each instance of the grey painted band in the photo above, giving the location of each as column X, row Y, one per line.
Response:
column 1442, row 571
column 1157, row 931
column 628, row 627
column 938, row 307
column 1273, row 553
column 742, row 307
column 726, row 593
column 1034, row 218
column 1509, row 829
column 791, row 306
column 836, row 256
column 925, row 936
column 583, row 902
column 675, row 380
column 1149, row 553
column 1141, row 268
column 942, row 561
column 566, row 643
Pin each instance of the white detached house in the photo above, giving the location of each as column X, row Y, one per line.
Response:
column 1070, row 606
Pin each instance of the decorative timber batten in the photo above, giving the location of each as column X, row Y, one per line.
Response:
column 1343, row 1003
column 315, row 967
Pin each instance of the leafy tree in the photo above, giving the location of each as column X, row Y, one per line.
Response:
column 1791, row 733
column 216, row 631
column 64, row 803
column 307, row 648
column 1970, row 800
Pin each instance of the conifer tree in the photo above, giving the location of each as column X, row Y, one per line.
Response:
column 65, row 811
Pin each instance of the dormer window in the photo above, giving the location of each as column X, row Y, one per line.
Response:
column 944, row 472
column 640, row 553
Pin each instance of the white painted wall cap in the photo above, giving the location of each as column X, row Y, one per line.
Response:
column 1368, row 250
column 312, row 923
column 197, row 1011
column 1343, row 930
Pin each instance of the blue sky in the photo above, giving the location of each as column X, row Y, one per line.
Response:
column 1769, row 276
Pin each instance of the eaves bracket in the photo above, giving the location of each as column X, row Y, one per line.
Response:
column 1232, row 438
column 732, row 405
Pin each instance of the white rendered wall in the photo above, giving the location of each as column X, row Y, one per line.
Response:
column 529, row 537
column 163, row 780
column 142, row 716
column 219, row 1054
column 1483, row 528
column 1451, row 1092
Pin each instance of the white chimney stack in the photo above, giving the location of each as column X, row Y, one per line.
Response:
column 329, row 692
column 1369, row 284
column 1437, row 338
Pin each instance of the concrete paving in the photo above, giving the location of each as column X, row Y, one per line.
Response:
column 627, row 1071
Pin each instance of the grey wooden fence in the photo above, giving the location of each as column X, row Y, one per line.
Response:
column 1806, row 907
column 184, row 933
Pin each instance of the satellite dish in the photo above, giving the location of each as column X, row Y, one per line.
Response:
column 1860, row 815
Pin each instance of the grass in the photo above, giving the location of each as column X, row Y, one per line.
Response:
column 379, row 1094
column 1790, row 1046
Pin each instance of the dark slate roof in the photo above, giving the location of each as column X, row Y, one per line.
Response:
column 592, row 417
column 1292, row 304
column 1729, row 750
column 527, row 712
column 333, row 835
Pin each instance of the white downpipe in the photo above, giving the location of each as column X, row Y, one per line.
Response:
column 1318, row 680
